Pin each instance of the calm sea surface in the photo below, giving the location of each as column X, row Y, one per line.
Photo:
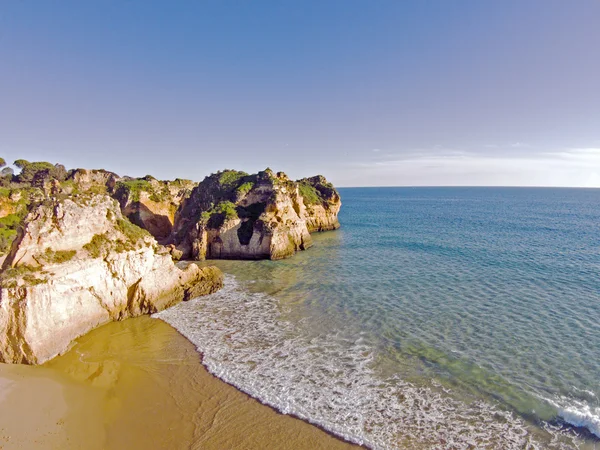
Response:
column 434, row 318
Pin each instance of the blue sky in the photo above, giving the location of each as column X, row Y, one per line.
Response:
column 365, row 92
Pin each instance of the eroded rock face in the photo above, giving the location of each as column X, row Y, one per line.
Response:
column 321, row 215
column 233, row 215
column 77, row 264
column 147, row 202
column 84, row 180
column 152, row 204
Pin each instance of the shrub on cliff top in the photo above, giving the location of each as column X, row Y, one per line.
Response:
column 21, row 163
column 39, row 169
column 229, row 179
column 309, row 193
column 132, row 188
column 244, row 188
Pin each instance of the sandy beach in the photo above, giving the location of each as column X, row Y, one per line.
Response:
column 138, row 384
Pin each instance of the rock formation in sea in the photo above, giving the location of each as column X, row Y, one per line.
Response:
column 322, row 204
column 233, row 215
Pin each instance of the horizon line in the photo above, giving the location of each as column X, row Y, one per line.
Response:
column 468, row 186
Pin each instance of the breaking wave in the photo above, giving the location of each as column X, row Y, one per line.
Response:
column 578, row 413
column 328, row 379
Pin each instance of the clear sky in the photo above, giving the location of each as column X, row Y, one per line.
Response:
column 368, row 92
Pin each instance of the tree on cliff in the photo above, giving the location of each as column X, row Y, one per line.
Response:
column 39, row 172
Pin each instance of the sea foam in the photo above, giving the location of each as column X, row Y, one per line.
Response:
column 329, row 380
column 578, row 413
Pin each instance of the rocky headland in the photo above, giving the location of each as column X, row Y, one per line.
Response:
column 81, row 248
column 234, row 215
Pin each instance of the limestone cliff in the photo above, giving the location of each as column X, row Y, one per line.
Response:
column 152, row 204
column 75, row 264
column 322, row 203
column 147, row 202
column 14, row 205
column 233, row 215
column 95, row 180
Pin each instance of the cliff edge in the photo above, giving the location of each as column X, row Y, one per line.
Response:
column 77, row 263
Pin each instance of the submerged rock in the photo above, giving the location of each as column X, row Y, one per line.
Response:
column 233, row 215
column 77, row 263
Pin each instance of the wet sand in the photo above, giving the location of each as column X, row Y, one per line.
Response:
column 139, row 384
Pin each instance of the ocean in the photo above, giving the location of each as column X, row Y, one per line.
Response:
column 433, row 318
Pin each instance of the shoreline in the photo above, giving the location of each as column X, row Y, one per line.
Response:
column 135, row 384
column 350, row 444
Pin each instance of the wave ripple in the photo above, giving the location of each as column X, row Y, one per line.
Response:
column 328, row 380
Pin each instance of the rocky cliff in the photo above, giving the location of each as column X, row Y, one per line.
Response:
column 152, row 204
column 147, row 202
column 233, row 215
column 322, row 203
column 77, row 263
column 72, row 259
column 230, row 214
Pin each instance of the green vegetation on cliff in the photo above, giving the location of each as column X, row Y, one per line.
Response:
column 316, row 190
column 309, row 193
column 230, row 179
column 133, row 188
column 98, row 246
column 29, row 274
column 132, row 232
column 217, row 215
column 102, row 245
column 246, row 187
column 59, row 256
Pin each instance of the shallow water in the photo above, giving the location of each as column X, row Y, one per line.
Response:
column 434, row 318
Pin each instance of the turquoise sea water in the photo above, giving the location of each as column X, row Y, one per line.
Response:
column 434, row 318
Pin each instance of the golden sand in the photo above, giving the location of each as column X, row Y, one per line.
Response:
column 138, row 384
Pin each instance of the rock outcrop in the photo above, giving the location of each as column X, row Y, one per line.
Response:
column 152, row 204
column 322, row 203
column 73, row 256
column 233, row 215
column 95, row 180
column 77, row 263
